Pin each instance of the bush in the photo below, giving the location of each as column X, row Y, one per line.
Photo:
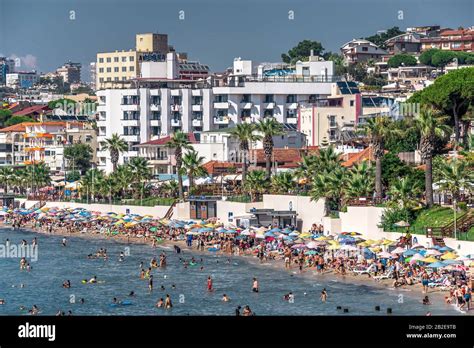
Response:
column 401, row 59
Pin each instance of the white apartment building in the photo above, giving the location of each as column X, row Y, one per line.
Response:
column 360, row 50
column 161, row 103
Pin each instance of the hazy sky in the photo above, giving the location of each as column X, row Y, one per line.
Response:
column 213, row 32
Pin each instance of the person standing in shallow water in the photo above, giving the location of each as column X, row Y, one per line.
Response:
column 209, row 284
column 255, row 285
column 324, row 295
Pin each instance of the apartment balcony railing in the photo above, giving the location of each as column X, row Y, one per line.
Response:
column 197, row 123
column 197, row 107
column 221, row 105
column 221, row 120
column 176, row 107
column 283, row 79
column 292, row 120
column 176, row 123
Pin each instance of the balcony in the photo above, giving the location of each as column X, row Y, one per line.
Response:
column 246, row 105
column 176, row 107
column 155, row 123
column 131, row 138
column 196, row 93
column 101, row 123
column 292, row 106
column 221, row 105
column 155, row 107
column 176, row 123
column 197, row 107
column 130, row 107
column 292, row 120
column 158, row 160
column 130, row 123
column 175, row 92
column 154, row 92
column 221, row 120
column 101, row 108
column 246, row 119
column 269, row 106
column 332, row 124
column 197, row 123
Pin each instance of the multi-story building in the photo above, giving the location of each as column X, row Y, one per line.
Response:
column 451, row 40
column 70, row 72
column 333, row 120
column 115, row 68
column 7, row 66
column 360, row 50
column 161, row 103
column 34, row 142
column 409, row 43
column 22, row 79
column 93, row 75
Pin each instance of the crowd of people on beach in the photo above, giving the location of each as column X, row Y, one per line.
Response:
column 322, row 259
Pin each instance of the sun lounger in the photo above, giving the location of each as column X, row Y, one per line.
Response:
column 386, row 275
column 367, row 270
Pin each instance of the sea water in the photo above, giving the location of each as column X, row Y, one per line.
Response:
column 42, row 286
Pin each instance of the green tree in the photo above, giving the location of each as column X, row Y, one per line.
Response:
column 179, row 142
column 18, row 119
column 454, row 176
column 123, row 178
column 269, row 127
column 283, row 183
column 430, row 126
column 330, row 186
column 359, row 181
column 256, row 184
column 192, row 166
column 427, row 56
column 442, row 58
column 91, row 182
column 5, row 115
column 6, row 177
column 141, row 173
column 401, row 60
column 302, row 51
column 115, row 145
column 79, row 156
column 378, row 130
column 452, row 94
column 379, row 39
column 244, row 133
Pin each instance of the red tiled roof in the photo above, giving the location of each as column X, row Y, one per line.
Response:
column 279, row 155
column 356, row 158
column 30, row 110
column 165, row 140
column 212, row 166
column 20, row 127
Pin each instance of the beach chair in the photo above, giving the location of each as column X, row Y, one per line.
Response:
column 372, row 268
column 386, row 275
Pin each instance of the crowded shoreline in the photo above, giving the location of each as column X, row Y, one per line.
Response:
column 307, row 254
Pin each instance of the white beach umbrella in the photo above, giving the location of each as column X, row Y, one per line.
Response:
column 433, row 252
column 398, row 250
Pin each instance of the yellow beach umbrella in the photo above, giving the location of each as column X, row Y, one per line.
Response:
column 210, row 225
column 375, row 249
column 305, row 235
column 322, row 238
column 363, row 244
column 332, row 241
column 430, row 259
column 387, row 242
column 334, row 247
column 449, row 256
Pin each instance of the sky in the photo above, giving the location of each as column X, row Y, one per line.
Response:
column 44, row 34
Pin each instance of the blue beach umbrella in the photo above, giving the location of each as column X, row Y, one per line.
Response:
column 445, row 248
column 437, row 264
column 269, row 234
column 275, row 229
column 410, row 252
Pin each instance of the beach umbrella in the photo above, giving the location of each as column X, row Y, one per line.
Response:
column 348, row 247
column 260, row 236
column 432, row 252
column 398, row 250
column 452, row 262
column 449, row 256
column 310, row 252
column 294, row 234
column 298, row 246
column 387, row 242
column 312, row 245
column 417, row 257
column 221, row 230
column 245, row 233
column 275, row 229
column 429, row 259
column 384, row 255
column 305, row 235
column 437, row 264
column 445, row 248
column 269, row 234
column 334, row 247
column 322, row 238
column 416, row 246
column 409, row 252
column 299, row 240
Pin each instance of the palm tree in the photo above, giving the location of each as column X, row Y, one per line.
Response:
column 123, row 178
column 360, row 181
column 283, row 182
column 269, row 127
column 19, row 180
column 431, row 126
column 116, row 145
column 192, row 166
column 330, row 186
column 244, row 133
column 378, row 130
column 38, row 175
column 179, row 142
column 140, row 171
column 404, row 194
column 91, row 182
column 6, row 177
column 454, row 176
column 326, row 160
column 256, row 183
column 170, row 188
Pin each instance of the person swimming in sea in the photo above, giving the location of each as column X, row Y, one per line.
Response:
column 168, row 303
column 67, row 284
column 160, row 303
column 150, row 283
column 255, row 285
column 122, row 256
column 64, row 241
column 162, row 287
column 142, row 274
column 93, row 280
column 132, row 293
column 324, row 295
column 225, row 298
column 34, row 310
column 209, row 284
column 426, row 300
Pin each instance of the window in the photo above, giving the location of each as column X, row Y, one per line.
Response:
column 124, row 59
column 101, row 79
column 109, row 69
column 116, row 78
column 131, row 59
column 116, row 59
column 268, row 98
column 123, row 78
column 132, row 68
column 221, row 98
column 332, row 121
column 155, row 115
column 352, row 103
column 101, row 60
column 101, row 70
column 213, row 138
column 109, row 79
column 109, row 59
column 155, row 130
column 365, row 49
column 291, row 98
column 88, row 138
column 116, row 69
column 124, row 69
column 246, row 98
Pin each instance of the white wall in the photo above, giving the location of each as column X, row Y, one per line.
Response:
column 236, row 208
column 310, row 212
column 363, row 220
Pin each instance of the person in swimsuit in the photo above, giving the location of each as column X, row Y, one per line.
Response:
column 424, row 281
column 225, row 298
column 255, row 285
column 209, row 284
column 150, row 283
column 160, row 303
column 168, row 303
column 324, row 295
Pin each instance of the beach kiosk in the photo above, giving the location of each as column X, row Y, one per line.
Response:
column 203, row 207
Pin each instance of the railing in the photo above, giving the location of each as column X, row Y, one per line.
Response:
column 365, row 202
column 463, row 224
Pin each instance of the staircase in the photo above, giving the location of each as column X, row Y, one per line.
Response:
column 463, row 224
column 438, row 241
column 169, row 213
